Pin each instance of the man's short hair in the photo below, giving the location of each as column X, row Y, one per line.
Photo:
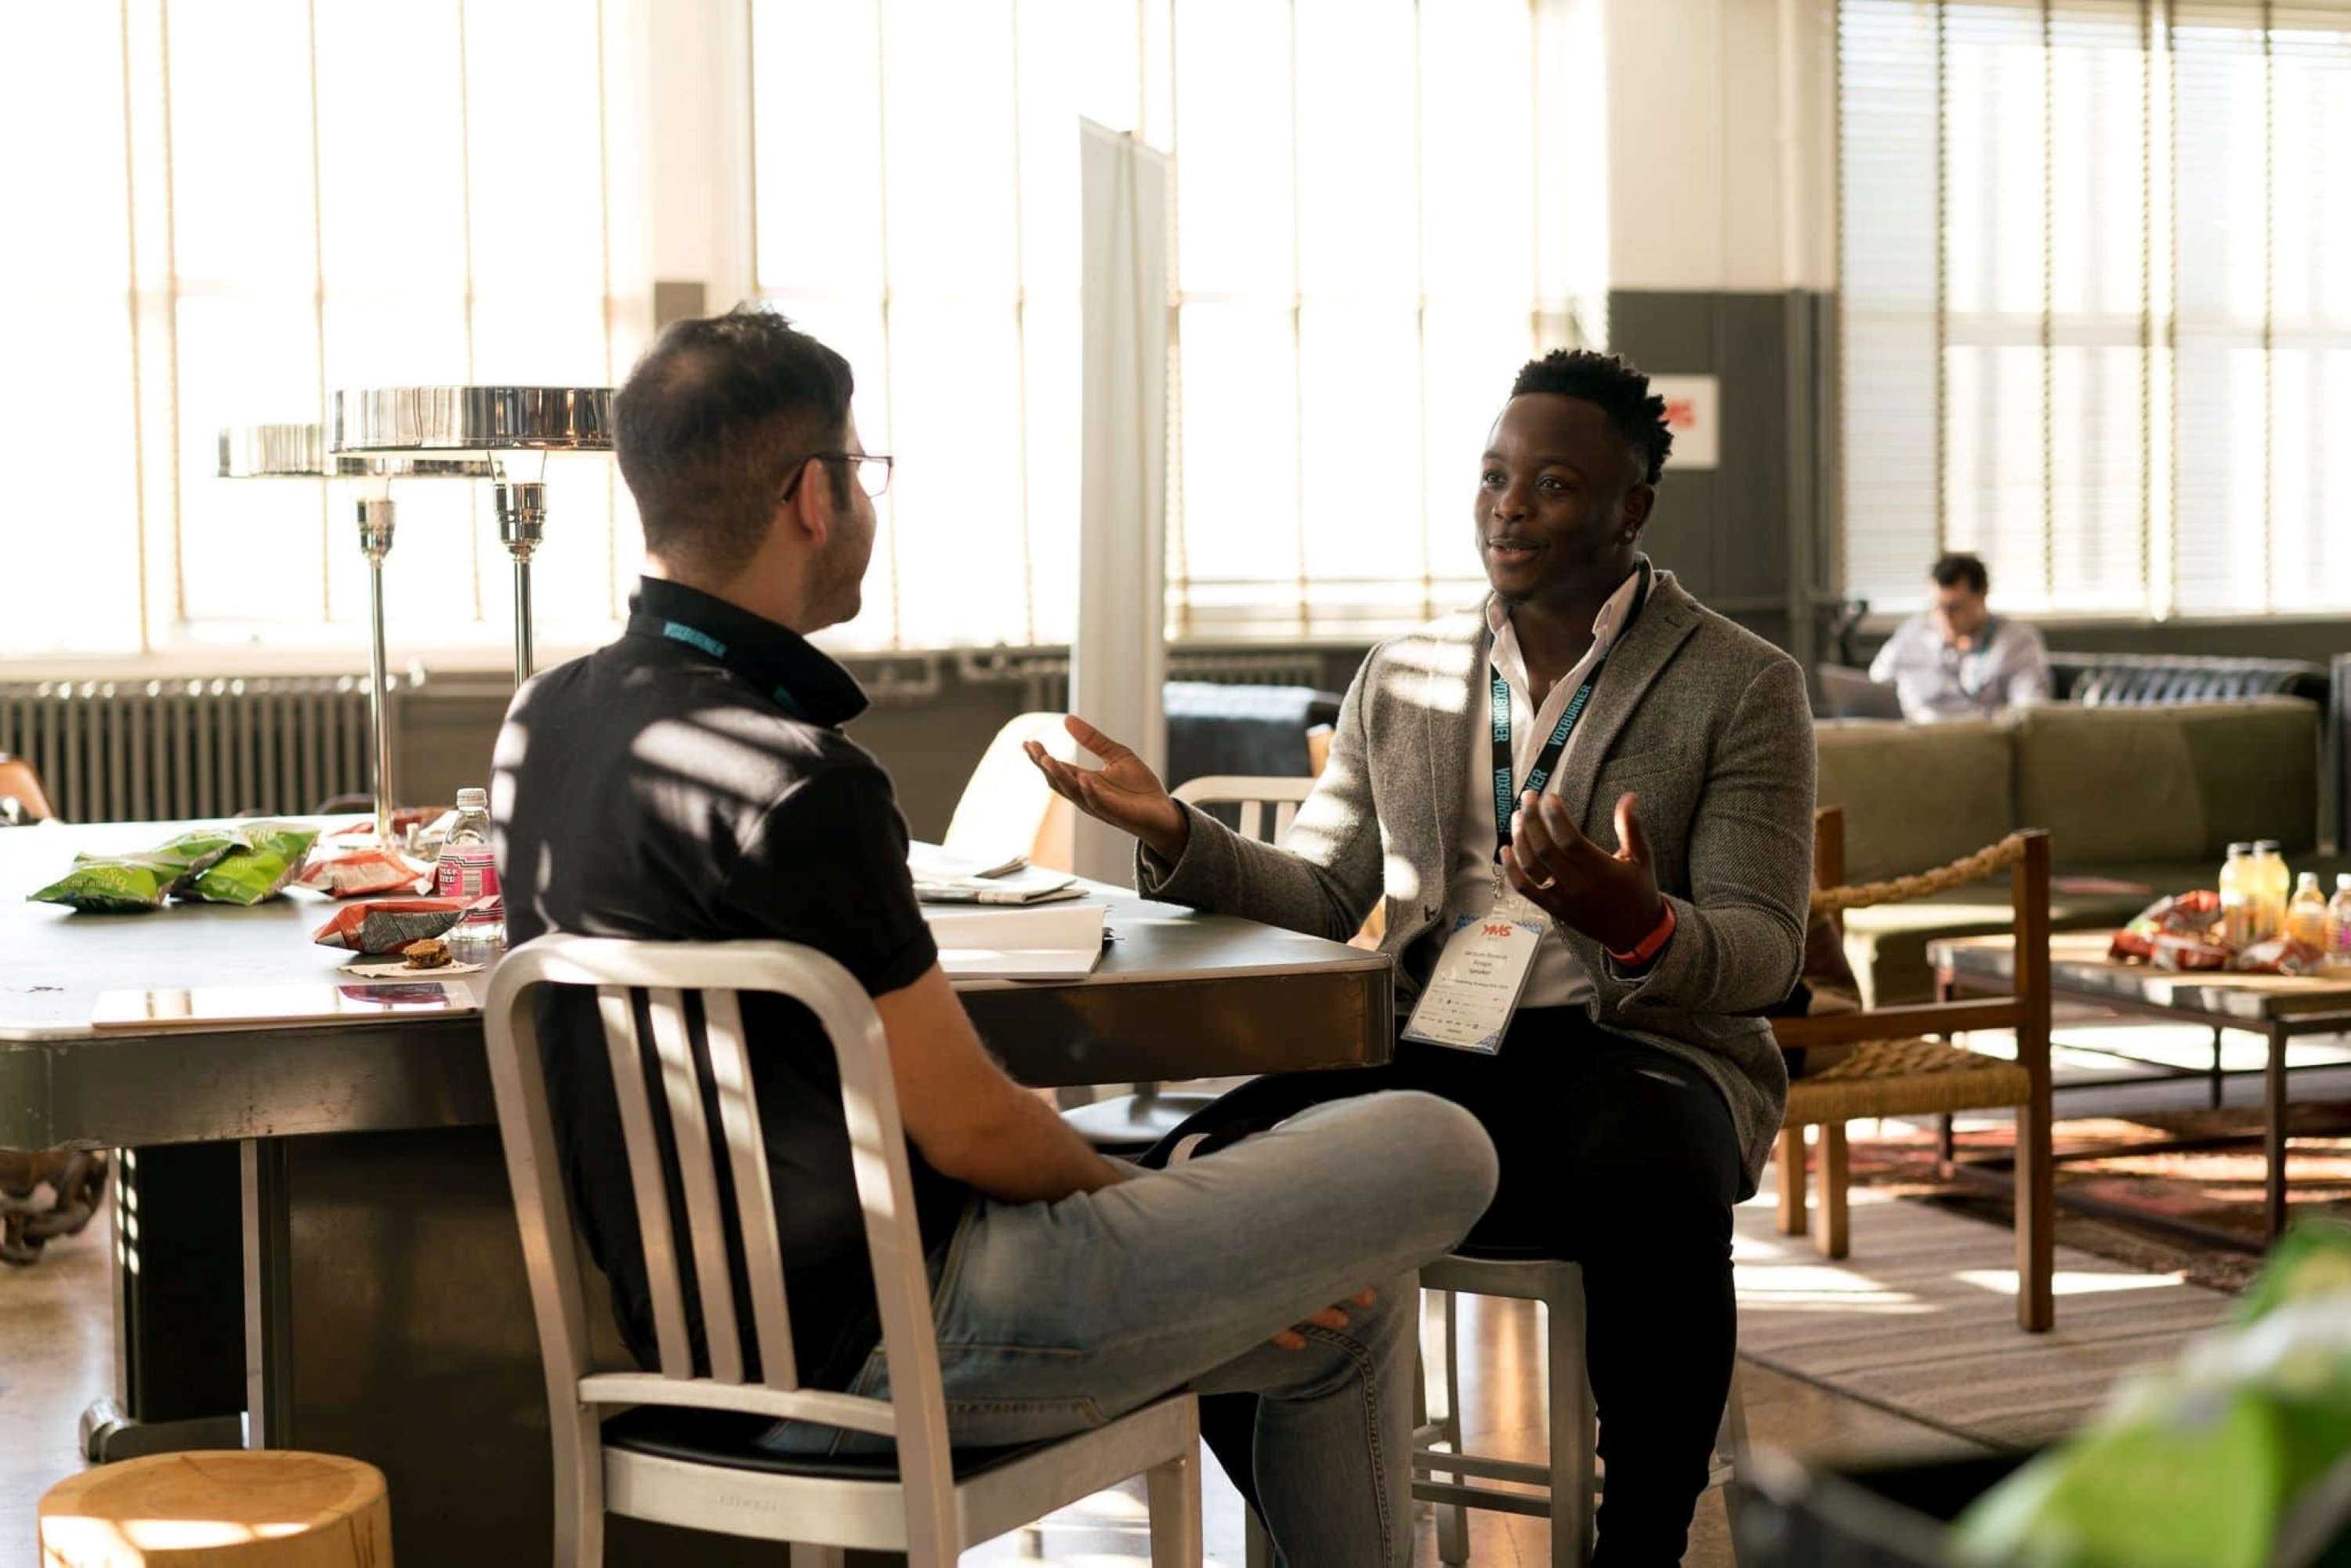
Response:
column 709, row 425
column 1622, row 393
column 1954, row 569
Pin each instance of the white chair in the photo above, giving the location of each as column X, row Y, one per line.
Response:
column 1563, row 1490
column 927, row 1501
column 1007, row 809
column 1135, row 1121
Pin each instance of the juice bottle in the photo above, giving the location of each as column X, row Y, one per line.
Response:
column 2274, row 883
column 2237, row 891
column 2338, row 927
column 2305, row 917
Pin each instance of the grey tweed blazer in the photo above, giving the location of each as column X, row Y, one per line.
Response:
column 1709, row 723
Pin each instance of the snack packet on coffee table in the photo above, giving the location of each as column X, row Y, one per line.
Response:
column 361, row 872
column 388, row 925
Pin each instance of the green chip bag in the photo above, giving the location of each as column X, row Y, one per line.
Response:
column 102, row 885
column 182, row 857
column 271, row 857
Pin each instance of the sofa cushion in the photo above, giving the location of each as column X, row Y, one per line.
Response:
column 2175, row 783
column 1914, row 796
column 2109, row 784
column 2257, row 770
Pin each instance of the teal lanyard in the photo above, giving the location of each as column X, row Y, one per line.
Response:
column 642, row 625
column 1553, row 748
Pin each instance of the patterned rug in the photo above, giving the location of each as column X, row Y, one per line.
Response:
column 1921, row 1320
column 2117, row 1162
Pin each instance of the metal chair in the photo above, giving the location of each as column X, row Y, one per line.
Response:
column 1443, row 1472
column 1132, row 1122
column 928, row 1501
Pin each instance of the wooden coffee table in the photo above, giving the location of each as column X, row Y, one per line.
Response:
column 2278, row 1007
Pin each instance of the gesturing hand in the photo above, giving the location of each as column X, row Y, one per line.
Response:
column 1612, row 899
column 1123, row 792
column 1331, row 1317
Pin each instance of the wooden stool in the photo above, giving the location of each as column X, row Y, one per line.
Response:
column 267, row 1509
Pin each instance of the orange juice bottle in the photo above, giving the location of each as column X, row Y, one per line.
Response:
column 2237, row 879
column 2275, row 882
column 2305, row 917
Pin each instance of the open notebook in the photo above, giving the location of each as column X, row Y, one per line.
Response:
column 942, row 876
column 1062, row 941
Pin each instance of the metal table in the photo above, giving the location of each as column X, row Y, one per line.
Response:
column 2279, row 1006
column 384, row 1309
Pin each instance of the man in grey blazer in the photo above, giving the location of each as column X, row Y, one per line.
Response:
column 1666, row 844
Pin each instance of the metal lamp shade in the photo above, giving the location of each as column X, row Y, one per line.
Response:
column 484, row 419
column 473, row 418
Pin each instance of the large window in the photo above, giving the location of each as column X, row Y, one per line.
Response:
column 223, row 210
column 2097, row 301
column 1357, row 275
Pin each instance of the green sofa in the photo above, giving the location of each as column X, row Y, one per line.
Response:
column 2152, row 795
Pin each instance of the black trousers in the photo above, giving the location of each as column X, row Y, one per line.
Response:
column 1618, row 1156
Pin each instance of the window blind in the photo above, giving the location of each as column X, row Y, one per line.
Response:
column 1352, row 291
column 229, row 208
column 2095, row 301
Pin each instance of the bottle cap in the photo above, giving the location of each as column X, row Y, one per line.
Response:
column 472, row 800
column 2241, row 848
column 2260, row 846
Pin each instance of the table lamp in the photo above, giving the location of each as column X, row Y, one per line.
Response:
column 386, row 420
column 299, row 451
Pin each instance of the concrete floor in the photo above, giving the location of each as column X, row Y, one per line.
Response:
column 55, row 1324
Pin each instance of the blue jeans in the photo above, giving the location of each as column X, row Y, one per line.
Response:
column 1056, row 1317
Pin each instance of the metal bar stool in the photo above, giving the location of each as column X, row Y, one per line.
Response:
column 1443, row 1473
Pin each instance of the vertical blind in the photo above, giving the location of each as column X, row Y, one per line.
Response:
column 1356, row 277
column 2096, row 293
column 224, row 210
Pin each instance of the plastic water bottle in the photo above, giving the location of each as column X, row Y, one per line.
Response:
column 2338, row 925
column 2305, row 917
column 469, row 870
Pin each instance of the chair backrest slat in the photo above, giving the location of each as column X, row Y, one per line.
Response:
column 646, row 1176
column 754, row 1197
column 698, row 1176
column 1252, row 794
column 916, row 1411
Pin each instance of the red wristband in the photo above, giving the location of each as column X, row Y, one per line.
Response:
column 1650, row 945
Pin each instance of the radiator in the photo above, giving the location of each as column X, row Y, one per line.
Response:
column 115, row 751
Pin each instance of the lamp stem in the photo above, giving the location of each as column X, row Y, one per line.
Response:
column 376, row 518
column 522, row 517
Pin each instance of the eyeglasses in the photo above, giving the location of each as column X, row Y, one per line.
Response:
column 872, row 470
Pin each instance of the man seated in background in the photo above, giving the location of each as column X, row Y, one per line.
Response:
column 690, row 782
column 1957, row 659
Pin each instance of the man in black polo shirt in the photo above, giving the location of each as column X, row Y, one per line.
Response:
column 690, row 782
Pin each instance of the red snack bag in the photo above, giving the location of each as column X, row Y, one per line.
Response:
column 2279, row 955
column 2188, row 953
column 388, row 925
column 361, row 872
column 2187, row 915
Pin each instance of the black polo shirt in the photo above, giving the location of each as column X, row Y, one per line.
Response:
column 690, row 783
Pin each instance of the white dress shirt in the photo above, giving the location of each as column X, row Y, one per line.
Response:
column 1557, row 981
column 2008, row 666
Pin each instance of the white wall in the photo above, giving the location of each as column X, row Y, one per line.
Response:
column 1720, row 127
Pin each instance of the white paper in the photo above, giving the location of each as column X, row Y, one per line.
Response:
column 1030, row 884
column 1062, row 941
column 929, row 862
column 1476, row 986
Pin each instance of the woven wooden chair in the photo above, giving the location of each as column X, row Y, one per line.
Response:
column 1900, row 1068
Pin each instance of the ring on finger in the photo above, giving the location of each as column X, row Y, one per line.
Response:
column 1546, row 884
